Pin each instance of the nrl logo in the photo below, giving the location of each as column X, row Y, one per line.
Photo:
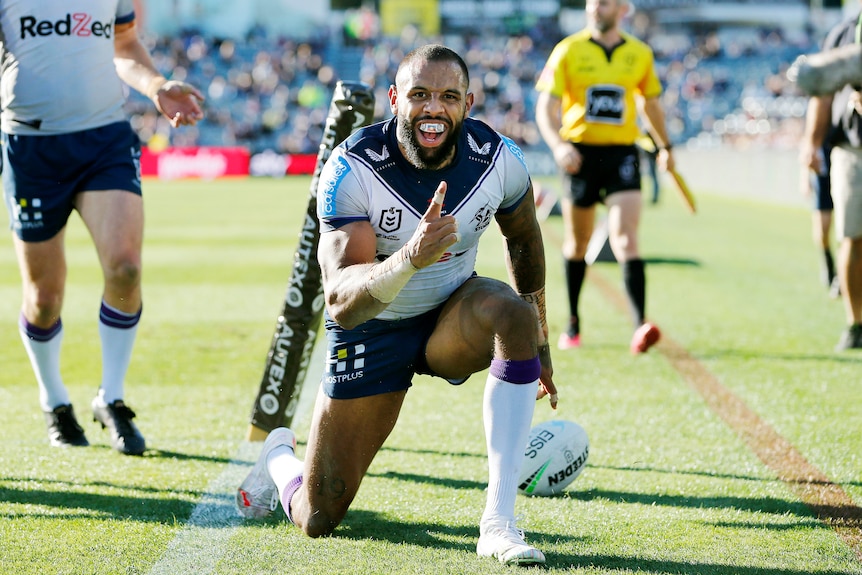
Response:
column 390, row 220
column 484, row 150
column 375, row 157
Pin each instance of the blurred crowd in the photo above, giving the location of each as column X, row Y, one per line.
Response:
column 722, row 88
column 729, row 87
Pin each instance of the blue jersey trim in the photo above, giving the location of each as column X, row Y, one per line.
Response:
column 335, row 223
column 514, row 206
column 515, row 149
column 328, row 189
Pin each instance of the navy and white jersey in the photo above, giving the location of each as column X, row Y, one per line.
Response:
column 367, row 178
column 57, row 71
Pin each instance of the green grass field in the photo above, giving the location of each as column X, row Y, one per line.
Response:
column 677, row 482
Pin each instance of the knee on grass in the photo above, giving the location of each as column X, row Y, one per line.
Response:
column 320, row 523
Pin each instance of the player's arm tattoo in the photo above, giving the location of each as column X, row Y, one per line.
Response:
column 525, row 250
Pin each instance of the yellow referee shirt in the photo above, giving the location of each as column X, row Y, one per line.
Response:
column 597, row 88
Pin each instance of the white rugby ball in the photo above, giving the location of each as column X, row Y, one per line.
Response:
column 556, row 453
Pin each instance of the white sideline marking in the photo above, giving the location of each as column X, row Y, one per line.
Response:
column 203, row 541
column 199, row 546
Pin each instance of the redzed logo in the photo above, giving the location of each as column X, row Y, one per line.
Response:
column 78, row 24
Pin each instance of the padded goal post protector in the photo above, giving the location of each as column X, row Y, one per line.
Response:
column 287, row 361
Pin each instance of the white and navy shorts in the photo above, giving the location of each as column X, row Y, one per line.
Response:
column 377, row 356
column 42, row 174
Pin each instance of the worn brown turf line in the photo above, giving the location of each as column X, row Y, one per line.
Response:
column 827, row 500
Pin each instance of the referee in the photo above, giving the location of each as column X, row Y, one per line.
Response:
column 591, row 90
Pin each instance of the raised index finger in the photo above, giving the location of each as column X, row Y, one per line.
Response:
column 436, row 205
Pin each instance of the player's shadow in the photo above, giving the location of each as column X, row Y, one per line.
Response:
column 431, row 480
column 765, row 505
column 671, row 261
column 67, row 500
column 360, row 524
column 458, row 454
column 659, row 260
column 694, row 472
column 560, row 548
column 155, row 453
column 176, row 455
column 769, row 505
column 704, row 473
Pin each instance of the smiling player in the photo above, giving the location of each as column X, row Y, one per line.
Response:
column 402, row 206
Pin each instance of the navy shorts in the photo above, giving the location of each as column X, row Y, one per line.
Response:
column 42, row 174
column 605, row 170
column 377, row 356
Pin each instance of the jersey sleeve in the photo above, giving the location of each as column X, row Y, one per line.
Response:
column 516, row 176
column 340, row 197
column 650, row 86
column 552, row 78
column 125, row 11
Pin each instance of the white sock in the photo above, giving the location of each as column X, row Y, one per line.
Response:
column 43, row 348
column 117, row 331
column 285, row 469
column 508, row 414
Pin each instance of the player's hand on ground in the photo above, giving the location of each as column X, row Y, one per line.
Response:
column 180, row 103
column 435, row 234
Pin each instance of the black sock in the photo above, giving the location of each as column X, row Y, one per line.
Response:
column 634, row 281
column 575, row 270
column 829, row 264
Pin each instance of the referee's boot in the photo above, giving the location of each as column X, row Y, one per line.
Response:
column 116, row 417
column 646, row 336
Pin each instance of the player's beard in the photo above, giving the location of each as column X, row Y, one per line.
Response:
column 420, row 156
column 604, row 24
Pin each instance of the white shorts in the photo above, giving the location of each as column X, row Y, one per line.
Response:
column 846, row 183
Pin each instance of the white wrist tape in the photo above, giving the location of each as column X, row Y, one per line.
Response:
column 154, row 86
column 389, row 276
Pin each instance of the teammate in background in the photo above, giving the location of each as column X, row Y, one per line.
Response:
column 402, row 206
column 836, row 119
column 590, row 92
column 67, row 145
column 816, row 187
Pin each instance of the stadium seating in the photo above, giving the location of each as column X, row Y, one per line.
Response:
column 273, row 93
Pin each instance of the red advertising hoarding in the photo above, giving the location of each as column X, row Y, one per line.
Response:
column 208, row 163
column 204, row 163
